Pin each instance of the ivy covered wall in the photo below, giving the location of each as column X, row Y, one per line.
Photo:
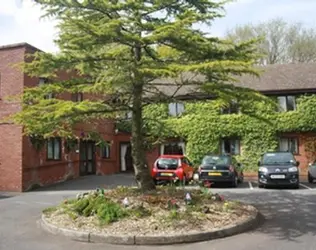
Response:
column 202, row 126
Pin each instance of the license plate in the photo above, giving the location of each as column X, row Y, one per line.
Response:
column 215, row 174
column 277, row 176
column 166, row 174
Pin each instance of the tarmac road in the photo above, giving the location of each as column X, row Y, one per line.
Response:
column 290, row 221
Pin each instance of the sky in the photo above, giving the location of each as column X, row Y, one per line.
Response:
column 20, row 19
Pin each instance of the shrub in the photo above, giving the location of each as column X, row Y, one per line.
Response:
column 109, row 212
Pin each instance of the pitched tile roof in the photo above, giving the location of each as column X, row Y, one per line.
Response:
column 282, row 77
column 274, row 79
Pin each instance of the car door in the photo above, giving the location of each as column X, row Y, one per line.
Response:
column 312, row 169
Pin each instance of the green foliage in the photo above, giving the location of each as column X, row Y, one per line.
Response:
column 70, row 144
column 105, row 209
column 258, row 127
column 109, row 212
column 37, row 141
column 49, row 210
column 81, row 205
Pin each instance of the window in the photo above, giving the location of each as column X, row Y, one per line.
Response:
column 54, row 149
column 231, row 109
column 286, row 103
column 172, row 149
column 42, row 81
column 77, row 97
column 289, row 144
column 176, row 109
column 128, row 115
column 105, row 151
column 49, row 96
column 230, row 146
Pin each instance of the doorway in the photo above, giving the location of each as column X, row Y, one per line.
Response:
column 87, row 158
column 126, row 159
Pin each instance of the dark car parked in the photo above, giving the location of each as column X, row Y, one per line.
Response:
column 221, row 169
column 278, row 169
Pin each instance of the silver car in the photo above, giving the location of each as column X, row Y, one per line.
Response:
column 312, row 172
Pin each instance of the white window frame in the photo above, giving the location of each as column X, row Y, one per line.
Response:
column 285, row 98
column 236, row 144
column 176, row 108
column 287, row 142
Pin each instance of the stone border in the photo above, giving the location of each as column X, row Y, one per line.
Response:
column 241, row 227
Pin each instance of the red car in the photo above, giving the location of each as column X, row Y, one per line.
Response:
column 172, row 167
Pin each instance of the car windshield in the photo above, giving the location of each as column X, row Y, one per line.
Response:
column 277, row 158
column 216, row 160
column 167, row 163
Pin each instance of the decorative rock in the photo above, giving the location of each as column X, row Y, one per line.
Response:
column 206, row 210
column 188, row 198
column 125, row 202
column 79, row 196
column 196, row 177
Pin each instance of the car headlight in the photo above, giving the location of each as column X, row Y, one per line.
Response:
column 263, row 169
column 293, row 169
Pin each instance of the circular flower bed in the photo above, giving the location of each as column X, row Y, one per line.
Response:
column 165, row 211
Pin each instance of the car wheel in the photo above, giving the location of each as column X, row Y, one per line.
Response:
column 235, row 181
column 155, row 182
column 297, row 186
column 241, row 179
column 310, row 178
column 261, row 186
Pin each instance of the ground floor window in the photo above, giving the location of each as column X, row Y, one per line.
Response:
column 54, row 148
column 288, row 144
column 174, row 148
column 230, row 146
column 105, row 151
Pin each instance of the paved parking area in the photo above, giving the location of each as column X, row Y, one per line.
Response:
column 253, row 185
column 290, row 221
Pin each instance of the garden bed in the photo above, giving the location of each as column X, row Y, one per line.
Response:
column 166, row 211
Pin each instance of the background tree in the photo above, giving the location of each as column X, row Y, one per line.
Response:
column 281, row 42
column 126, row 55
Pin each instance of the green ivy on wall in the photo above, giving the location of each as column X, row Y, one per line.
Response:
column 202, row 126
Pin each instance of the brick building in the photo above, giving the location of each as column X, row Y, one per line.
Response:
column 23, row 167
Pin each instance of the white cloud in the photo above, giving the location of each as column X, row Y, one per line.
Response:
column 24, row 25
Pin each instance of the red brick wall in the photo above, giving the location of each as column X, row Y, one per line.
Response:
column 11, row 83
column 302, row 156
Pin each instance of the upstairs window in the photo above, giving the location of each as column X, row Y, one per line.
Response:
column 233, row 108
column 230, row 146
column 49, row 96
column 288, row 144
column 176, row 109
column 128, row 115
column 54, row 148
column 77, row 97
column 286, row 103
column 42, row 81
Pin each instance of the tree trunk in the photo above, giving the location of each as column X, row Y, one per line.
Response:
column 142, row 171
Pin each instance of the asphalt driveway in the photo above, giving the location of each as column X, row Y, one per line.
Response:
column 290, row 218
